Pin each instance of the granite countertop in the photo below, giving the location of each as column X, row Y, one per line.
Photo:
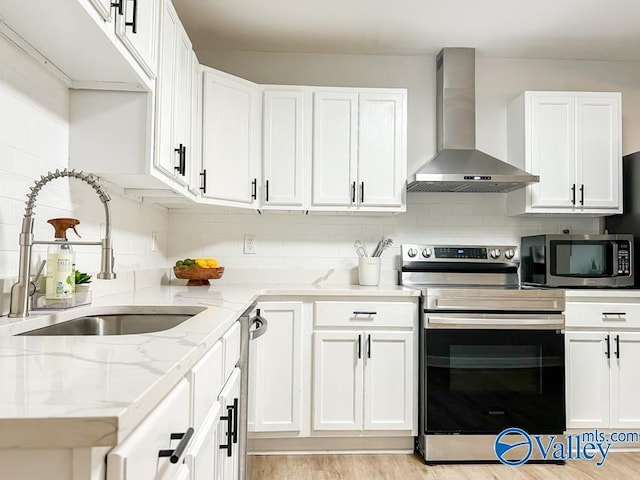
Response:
column 85, row 391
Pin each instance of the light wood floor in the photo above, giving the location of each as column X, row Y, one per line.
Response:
column 619, row 466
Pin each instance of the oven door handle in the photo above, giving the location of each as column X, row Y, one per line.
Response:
column 508, row 321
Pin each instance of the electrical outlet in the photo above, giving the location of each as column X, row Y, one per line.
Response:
column 154, row 241
column 249, row 245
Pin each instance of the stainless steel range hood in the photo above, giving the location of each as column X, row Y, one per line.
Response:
column 458, row 166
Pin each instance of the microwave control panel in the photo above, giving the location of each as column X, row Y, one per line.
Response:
column 624, row 258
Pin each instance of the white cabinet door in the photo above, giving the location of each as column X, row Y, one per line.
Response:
column 283, row 148
column 588, row 379
column 197, row 176
column 337, row 381
column 137, row 457
column 181, row 131
column 202, row 454
column 388, row 381
column 276, row 374
column 552, row 150
column 167, row 158
column 228, row 466
column 335, row 149
column 598, row 150
column 625, row 387
column 381, row 161
column 138, row 29
column 231, row 132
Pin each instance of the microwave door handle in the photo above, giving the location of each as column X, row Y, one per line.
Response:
column 614, row 266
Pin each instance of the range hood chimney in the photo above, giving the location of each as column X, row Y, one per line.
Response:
column 458, row 166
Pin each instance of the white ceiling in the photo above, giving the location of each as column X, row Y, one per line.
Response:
column 576, row 29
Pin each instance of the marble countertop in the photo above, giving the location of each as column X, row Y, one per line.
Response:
column 81, row 391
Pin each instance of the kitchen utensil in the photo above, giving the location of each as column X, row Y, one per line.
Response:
column 360, row 249
column 383, row 244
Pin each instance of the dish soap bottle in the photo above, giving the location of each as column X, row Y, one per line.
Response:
column 61, row 262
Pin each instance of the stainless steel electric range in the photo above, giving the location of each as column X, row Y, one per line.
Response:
column 491, row 354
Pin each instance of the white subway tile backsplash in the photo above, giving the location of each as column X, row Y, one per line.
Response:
column 317, row 242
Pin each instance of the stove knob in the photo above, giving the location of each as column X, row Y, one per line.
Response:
column 495, row 253
column 426, row 252
column 509, row 254
column 412, row 252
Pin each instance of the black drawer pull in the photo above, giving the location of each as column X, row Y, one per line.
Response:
column 359, row 346
column 254, row 189
column 134, row 22
column 204, row 181
column 364, row 313
column 582, row 194
column 617, row 352
column 229, row 418
column 174, row 455
column 353, row 192
column 369, row 346
column 621, row 314
column 235, row 420
column 607, row 352
column 573, row 194
column 119, row 5
column 266, row 190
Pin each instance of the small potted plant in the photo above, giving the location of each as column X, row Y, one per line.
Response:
column 82, row 282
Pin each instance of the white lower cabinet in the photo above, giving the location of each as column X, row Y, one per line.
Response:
column 603, row 368
column 363, row 380
column 137, row 458
column 275, row 373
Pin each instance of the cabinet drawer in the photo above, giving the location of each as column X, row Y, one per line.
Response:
column 231, row 341
column 365, row 314
column 603, row 315
column 137, row 457
column 206, row 378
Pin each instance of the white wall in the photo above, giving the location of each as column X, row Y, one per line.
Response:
column 34, row 138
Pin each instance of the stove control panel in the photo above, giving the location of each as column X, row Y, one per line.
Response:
column 458, row 253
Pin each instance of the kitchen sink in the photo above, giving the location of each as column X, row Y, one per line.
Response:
column 119, row 323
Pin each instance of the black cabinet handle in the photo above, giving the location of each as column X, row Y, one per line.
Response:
column 134, row 22
column 607, row 352
column 266, row 187
column 359, row 346
column 174, row 455
column 369, row 346
column 582, row 194
column 353, row 192
column 621, row 314
column 254, row 189
column 573, row 194
column 179, row 167
column 203, row 187
column 119, row 5
column 360, row 312
column 235, row 420
column 617, row 352
column 184, row 160
column 229, row 418
column 361, row 192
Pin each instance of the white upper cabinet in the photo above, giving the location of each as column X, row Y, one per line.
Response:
column 137, row 26
column 104, row 8
column 335, row 143
column 284, row 157
column 230, row 138
column 572, row 140
column 173, row 99
column 359, row 149
column 381, row 150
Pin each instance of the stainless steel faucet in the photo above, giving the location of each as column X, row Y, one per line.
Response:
column 22, row 289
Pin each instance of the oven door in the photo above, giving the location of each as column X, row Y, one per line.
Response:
column 481, row 381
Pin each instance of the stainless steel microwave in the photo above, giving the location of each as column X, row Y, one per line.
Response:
column 577, row 260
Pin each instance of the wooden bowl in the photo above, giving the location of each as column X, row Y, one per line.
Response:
column 198, row 276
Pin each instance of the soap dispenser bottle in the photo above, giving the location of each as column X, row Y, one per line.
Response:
column 61, row 262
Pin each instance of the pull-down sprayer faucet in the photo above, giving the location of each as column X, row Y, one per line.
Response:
column 20, row 291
